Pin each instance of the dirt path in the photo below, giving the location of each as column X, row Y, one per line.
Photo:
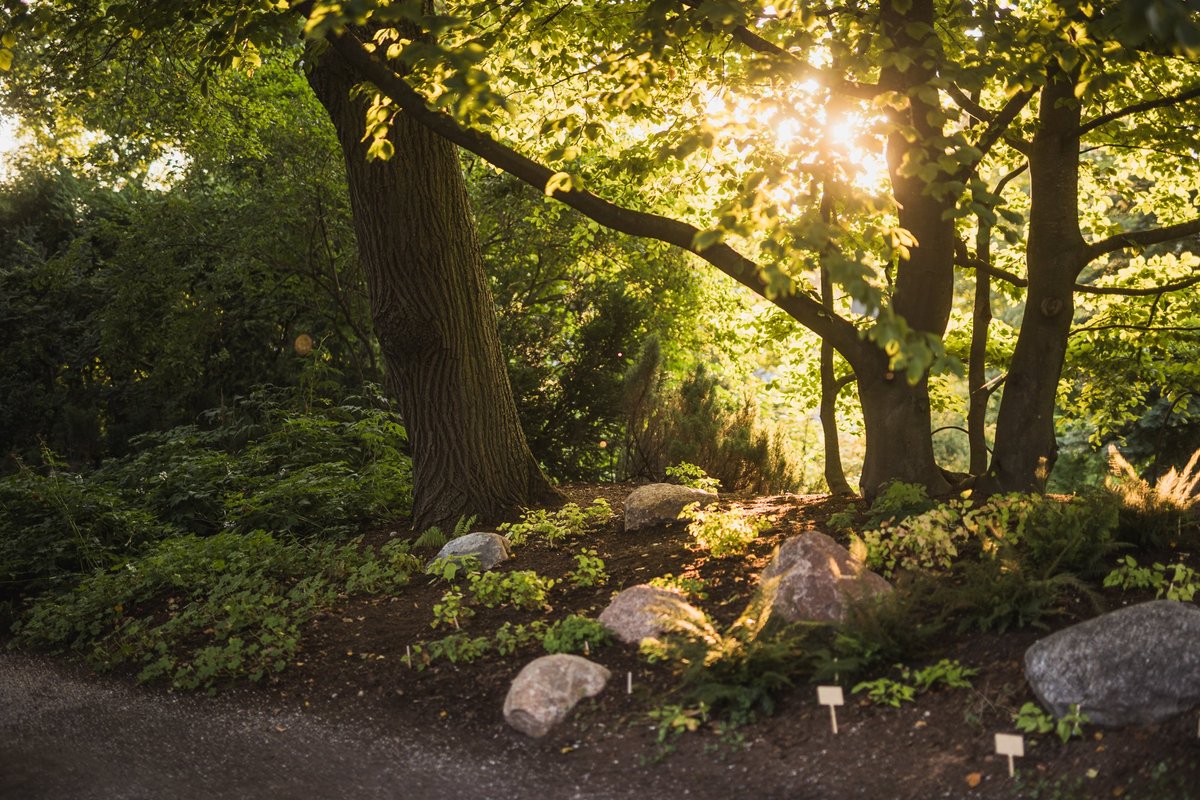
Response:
column 64, row 734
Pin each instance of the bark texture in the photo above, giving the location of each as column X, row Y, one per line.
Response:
column 433, row 314
column 1026, row 447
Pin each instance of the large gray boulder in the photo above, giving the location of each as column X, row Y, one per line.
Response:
column 814, row 579
column 645, row 612
column 489, row 548
column 660, row 503
column 1136, row 665
column 545, row 691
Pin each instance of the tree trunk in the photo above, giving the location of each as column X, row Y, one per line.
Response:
column 896, row 414
column 898, row 431
column 1026, row 447
column 433, row 314
column 978, row 392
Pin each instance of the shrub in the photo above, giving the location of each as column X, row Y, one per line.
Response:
column 589, row 570
column 686, row 474
column 200, row 610
column 520, row 588
column 556, row 526
column 574, row 634
column 1155, row 516
column 722, row 533
column 738, row 671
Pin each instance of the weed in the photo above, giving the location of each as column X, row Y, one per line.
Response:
column 451, row 610
column 889, row 692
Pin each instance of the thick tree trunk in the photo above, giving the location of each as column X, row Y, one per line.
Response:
column 835, row 476
column 898, row 432
column 896, row 414
column 433, row 315
column 1026, row 447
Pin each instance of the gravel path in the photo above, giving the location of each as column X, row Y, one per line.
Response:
column 66, row 734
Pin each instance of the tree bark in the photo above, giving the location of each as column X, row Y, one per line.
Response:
column 835, row 475
column 977, row 389
column 433, row 314
column 1026, row 447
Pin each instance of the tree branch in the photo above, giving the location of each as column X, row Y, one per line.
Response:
column 835, row 83
column 1137, row 108
column 997, row 126
column 963, row 259
column 1141, row 238
column 968, row 105
column 801, row 307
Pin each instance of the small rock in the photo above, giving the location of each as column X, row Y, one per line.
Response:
column 644, row 612
column 489, row 548
column 1139, row 664
column 813, row 579
column 546, row 690
column 660, row 503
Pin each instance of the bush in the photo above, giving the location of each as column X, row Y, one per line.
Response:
column 260, row 467
column 201, row 610
column 1154, row 517
column 723, row 533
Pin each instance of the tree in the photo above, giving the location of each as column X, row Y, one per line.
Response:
column 939, row 136
column 429, row 296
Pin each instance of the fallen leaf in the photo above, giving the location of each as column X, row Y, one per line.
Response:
column 974, row 779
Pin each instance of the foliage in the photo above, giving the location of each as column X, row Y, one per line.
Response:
column 1155, row 516
column 672, row 720
column 737, row 672
column 450, row 568
column 997, row 595
column 519, row 588
column 889, row 692
column 1032, row 719
column 574, row 634
column 235, row 605
column 1175, row 582
column 690, row 475
column 896, row 501
column 589, row 570
column 451, row 609
column 433, row 538
column 925, row 541
column 264, row 463
column 686, row 585
column 554, row 527
column 698, row 423
column 722, row 533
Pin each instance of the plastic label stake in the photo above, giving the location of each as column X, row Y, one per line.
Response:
column 1011, row 745
column 831, row 696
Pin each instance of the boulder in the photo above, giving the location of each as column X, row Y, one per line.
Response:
column 660, row 503
column 813, row 579
column 489, row 548
column 1136, row 665
column 546, row 690
column 644, row 612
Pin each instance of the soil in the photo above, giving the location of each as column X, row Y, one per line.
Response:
column 353, row 672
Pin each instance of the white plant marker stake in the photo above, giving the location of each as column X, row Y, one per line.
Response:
column 831, row 696
column 408, row 655
column 1011, row 745
column 628, row 683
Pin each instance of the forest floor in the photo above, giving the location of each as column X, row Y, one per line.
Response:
column 353, row 674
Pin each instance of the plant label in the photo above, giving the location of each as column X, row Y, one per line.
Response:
column 1011, row 745
column 831, row 696
column 628, row 683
